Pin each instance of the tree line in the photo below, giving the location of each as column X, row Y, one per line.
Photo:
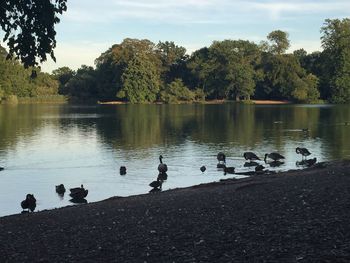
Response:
column 140, row 71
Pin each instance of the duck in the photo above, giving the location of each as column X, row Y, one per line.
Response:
column 303, row 151
column 162, row 167
column 203, row 168
column 60, row 189
column 122, row 170
column 229, row 170
column 29, row 203
column 274, row 156
column 78, row 192
column 250, row 156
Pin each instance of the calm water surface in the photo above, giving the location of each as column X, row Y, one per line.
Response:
column 44, row 145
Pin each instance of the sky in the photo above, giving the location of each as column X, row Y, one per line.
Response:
column 90, row 27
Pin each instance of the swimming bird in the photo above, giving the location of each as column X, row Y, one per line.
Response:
column 2, row 168
column 78, row 192
column 29, row 203
column 162, row 167
column 221, row 157
column 203, row 168
column 60, row 189
column 229, row 170
column 122, row 170
column 274, row 156
column 303, row 151
column 250, row 156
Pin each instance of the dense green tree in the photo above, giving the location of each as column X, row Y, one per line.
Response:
column 176, row 92
column 29, row 28
column 140, row 80
column 279, row 42
column 336, row 45
column 63, row 75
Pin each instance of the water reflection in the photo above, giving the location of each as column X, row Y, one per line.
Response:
column 44, row 145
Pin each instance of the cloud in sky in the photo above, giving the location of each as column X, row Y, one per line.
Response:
column 191, row 23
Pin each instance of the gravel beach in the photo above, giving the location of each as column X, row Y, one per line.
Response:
column 295, row 216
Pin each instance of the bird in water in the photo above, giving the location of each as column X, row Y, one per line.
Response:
column 203, row 168
column 303, row 151
column 60, row 189
column 250, row 156
column 162, row 167
column 259, row 168
column 78, row 193
column 221, row 157
column 29, row 203
column 229, row 170
column 2, row 168
column 122, row 170
column 274, row 156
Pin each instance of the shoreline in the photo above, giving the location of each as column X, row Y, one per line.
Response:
column 293, row 216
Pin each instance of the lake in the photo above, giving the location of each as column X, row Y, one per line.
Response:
column 45, row 145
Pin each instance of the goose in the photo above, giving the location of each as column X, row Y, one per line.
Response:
column 250, row 164
column 156, row 184
column 307, row 163
column 122, row 170
column 2, row 168
column 203, row 168
column 229, row 170
column 250, row 156
column 274, row 156
column 78, row 192
column 29, row 203
column 259, row 168
column 221, row 157
column 60, row 189
column 162, row 167
column 303, row 151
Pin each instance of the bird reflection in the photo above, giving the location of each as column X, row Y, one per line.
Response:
column 306, row 163
column 250, row 164
column 78, row 201
column 275, row 163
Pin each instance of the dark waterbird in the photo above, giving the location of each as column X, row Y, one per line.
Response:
column 250, row 164
column 259, row 168
column 203, row 168
column 221, row 157
column 162, row 167
column 229, row 170
column 122, row 170
column 2, row 168
column 274, row 156
column 60, row 189
column 303, row 151
column 307, row 163
column 29, row 203
column 78, row 193
column 250, row 156
column 162, row 176
column 156, row 185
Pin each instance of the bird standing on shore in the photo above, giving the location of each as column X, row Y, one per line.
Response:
column 274, row 156
column 303, row 151
column 29, row 203
column 250, row 156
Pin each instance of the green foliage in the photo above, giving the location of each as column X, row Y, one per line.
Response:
column 279, row 42
column 176, row 92
column 140, row 80
column 336, row 44
column 10, row 99
column 63, row 75
column 29, row 28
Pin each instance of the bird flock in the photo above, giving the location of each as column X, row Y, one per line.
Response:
column 273, row 159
